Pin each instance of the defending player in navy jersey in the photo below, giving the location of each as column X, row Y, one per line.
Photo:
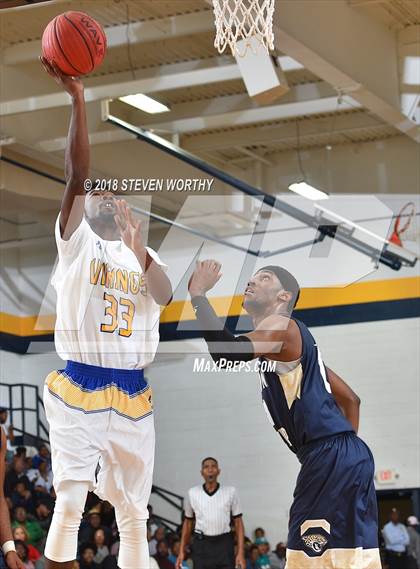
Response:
column 333, row 519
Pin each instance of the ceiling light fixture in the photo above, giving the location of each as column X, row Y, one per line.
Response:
column 307, row 191
column 302, row 187
column 145, row 103
column 411, row 74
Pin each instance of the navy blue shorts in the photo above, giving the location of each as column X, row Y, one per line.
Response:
column 334, row 518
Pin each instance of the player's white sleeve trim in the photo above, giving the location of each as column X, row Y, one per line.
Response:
column 189, row 512
column 236, row 505
column 76, row 240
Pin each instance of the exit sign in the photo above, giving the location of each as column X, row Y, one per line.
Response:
column 388, row 476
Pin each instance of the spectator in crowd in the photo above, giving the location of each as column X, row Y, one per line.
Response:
column 159, row 535
column 20, row 534
column 174, row 552
column 21, row 453
column 21, row 496
column 22, row 551
column 8, row 431
column 414, row 545
column 87, row 555
column 115, row 548
column 110, row 562
column 44, row 513
column 20, row 518
column 107, row 512
column 42, row 456
column 278, row 557
column 102, row 550
column 89, row 525
column 14, row 474
column 44, row 480
column 253, row 555
column 259, row 532
column 263, row 561
column 162, row 555
column 31, row 473
column 396, row 541
column 152, row 522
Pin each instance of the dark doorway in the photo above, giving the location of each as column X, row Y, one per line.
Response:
column 406, row 501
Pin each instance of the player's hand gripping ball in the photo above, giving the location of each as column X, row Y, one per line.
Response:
column 75, row 42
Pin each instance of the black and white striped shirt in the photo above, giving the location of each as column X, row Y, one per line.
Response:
column 212, row 512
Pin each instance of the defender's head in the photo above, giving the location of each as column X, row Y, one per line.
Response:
column 271, row 287
column 100, row 206
column 210, row 469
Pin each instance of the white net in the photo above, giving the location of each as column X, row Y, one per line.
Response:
column 411, row 236
column 243, row 20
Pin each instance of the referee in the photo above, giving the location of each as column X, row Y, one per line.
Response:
column 212, row 506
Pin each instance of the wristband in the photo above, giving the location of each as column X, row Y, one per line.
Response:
column 8, row 547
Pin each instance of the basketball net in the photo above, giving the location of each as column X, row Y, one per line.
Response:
column 243, row 20
column 405, row 226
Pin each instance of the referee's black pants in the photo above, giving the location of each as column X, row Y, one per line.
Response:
column 397, row 560
column 215, row 552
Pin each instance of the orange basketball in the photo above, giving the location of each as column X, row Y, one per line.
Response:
column 76, row 43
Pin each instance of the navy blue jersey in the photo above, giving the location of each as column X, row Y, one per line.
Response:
column 299, row 403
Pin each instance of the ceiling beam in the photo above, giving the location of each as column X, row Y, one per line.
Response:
column 234, row 110
column 114, row 85
column 253, row 155
column 102, row 137
column 268, row 134
column 268, row 113
column 180, row 113
column 365, row 2
column 363, row 62
column 136, row 33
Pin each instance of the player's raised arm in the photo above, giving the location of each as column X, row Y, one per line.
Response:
column 346, row 398
column 268, row 338
column 206, row 275
column 77, row 152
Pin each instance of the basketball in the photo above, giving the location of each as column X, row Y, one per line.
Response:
column 75, row 42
